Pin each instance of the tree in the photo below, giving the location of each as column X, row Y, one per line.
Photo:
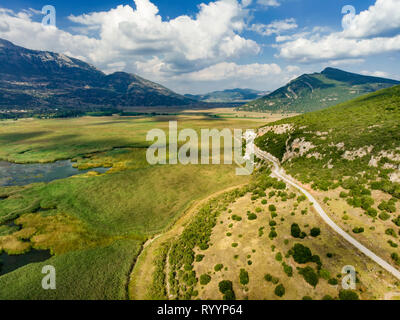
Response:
column 348, row 295
column 280, row 290
column 205, row 279
column 244, row 277
column 315, row 232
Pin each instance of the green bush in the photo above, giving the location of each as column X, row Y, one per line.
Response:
column 278, row 256
column 348, row 295
column 218, row 267
column 333, row 281
column 287, row 269
column 272, row 208
column 280, row 290
column 358, row 230
column 272, row 234
column 205, row 279
column 384, row 216
column 264, row 201
column 225, row 285
column 199, row 257
column 244, row 277
column 301, row 254
column 236, row 218
column 251, row 216
column 229, row 295
column 309, row 275
column 315, row 232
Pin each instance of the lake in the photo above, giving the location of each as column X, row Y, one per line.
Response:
column 9, row 263
column 13, row 174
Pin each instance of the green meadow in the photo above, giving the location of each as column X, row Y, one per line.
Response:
column 95, row 224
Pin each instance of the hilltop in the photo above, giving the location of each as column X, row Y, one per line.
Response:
column 41, row 80
column 316, row 91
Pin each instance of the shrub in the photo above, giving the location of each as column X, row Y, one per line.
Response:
column 258, row 210
column 236, row 218
column 235, row 244
column 225, row 285
column 301, row 198
column 280, row 290
column 391, row 232
column 272, row 223
column 218, row 267
column 348, row 295
column 384, row 216
column 324, row 274
column 272, row 234
column 244, row 277
column 270, row 278
column 287, row 269
column 272, row 208
column 307, row 298
column 309, row 275
column 372, row 212
column 205, row 279
column 358, row 230
column 295, row 230
column 264, row 201
column 333, row 281
column 278, row 256
column 327, row 297
column 315, row 232
column 229, row 295
column 301, row 254
column 199, row 257
column 251, row 216
column 397, row 221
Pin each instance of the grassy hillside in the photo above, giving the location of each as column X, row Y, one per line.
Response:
column 350, row 155
column 360, row 137
column 316, row 91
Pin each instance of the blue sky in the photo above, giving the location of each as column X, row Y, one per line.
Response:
column 200, row 46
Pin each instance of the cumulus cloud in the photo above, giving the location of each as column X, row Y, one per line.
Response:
column 269, row 3
column 383, row 17
column 225, row 70
column 275, row 27
column 380, row 74
column 371, row 32
column 139, row 37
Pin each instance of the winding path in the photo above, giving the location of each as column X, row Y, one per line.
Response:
column 280, row 173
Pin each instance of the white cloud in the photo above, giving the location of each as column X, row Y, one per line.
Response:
column 371, row 32
column 269, row 3
column 228, row 71
column 382, row 17
column 133, row 38
column 380, row 74
column 275, row 27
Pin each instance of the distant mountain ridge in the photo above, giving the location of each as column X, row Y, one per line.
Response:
column 311, row 92
column 31, row 79
column 228, row 95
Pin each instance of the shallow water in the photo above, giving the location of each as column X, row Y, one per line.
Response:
column 12, row 174
column 10, row 263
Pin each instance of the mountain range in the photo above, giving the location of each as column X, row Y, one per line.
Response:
column 32, row 80
column 228, row 96
column 311, row 92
